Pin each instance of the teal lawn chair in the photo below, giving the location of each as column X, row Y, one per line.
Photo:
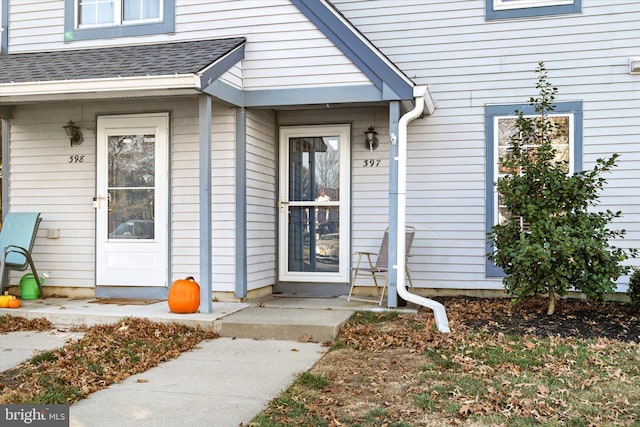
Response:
column 16, row 242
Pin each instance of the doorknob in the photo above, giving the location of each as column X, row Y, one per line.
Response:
column 97, row 202
column 282, row 203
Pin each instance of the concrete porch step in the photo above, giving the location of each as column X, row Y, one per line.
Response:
column 279, row 323
column 280, row 318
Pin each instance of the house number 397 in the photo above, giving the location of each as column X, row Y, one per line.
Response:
column 371, row 163
column 76, row 158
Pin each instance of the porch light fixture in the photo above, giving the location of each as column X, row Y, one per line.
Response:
column 372, row 140
column 73, row 132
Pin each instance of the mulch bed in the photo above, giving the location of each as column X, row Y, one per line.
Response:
column 575, row 318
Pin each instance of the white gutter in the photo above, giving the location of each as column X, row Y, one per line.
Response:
column 422, row 99
column 113, row 84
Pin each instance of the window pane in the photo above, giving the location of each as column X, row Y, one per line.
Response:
column 313, row 242
column 150, row 9
column 327, row 170
column 317, row 251
column 506, row 4
column 88, row 14
column 559, row 137
column 131, row 172
column 506, row 130
column 131, row 161
column 131, row 214
column 94, row 12
column 314, row 169
column 135, row 10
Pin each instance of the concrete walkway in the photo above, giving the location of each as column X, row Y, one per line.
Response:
column 223, row 383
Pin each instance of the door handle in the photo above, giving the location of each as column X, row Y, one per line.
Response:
column 97, row 202
column 283, row 203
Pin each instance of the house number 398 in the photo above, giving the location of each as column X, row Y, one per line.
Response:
column 371, row 163
column 76, row 158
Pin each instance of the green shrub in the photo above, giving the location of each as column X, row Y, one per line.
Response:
column 566, row 243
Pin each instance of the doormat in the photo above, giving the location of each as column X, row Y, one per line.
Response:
column 125, row 301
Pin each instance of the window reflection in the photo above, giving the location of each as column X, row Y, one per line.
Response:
column 131, row 192
column 314, row 177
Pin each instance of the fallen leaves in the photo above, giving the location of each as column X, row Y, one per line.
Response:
column 105, row 355
column 10, row 323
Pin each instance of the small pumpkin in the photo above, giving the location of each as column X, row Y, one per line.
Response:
column 4, row 300
column 184, row 296
column 14, row 303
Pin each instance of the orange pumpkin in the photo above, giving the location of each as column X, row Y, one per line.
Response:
column 14, row 303
column 184, row 296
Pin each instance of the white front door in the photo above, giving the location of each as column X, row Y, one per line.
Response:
column 132, row 200
column 314, row 204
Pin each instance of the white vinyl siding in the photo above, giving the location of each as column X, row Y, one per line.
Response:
column 284, row 49
column 43, row 180
column 185, row 202
column 223, row 196
column 261, row 196
column 233, row 77
column 468, row 63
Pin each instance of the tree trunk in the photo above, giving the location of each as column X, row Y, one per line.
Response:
column 552, row 302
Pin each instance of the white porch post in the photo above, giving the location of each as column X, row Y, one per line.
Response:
column 204, row 124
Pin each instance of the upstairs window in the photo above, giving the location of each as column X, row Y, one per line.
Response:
column 505, row 9
column 95, row 19
column 93, row 13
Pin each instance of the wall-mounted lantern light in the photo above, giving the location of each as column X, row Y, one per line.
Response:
column 372, row 140
column 73, row 132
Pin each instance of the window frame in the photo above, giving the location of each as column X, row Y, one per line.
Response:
column 573, row 109
column 120, row 28
column 499, row 9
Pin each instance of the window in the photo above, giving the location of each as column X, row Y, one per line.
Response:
column 93, row 13
column 505, row 129
column 94, row 19
column 500, row 126
column 505, row 9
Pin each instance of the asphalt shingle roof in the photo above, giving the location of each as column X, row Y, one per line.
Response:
column 127, row 61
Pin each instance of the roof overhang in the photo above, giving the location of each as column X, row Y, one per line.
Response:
column 201, row 73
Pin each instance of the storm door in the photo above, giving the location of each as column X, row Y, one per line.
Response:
column 131, row 200
column 314, row 204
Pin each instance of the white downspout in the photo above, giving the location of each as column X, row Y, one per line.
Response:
column 442, row 323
